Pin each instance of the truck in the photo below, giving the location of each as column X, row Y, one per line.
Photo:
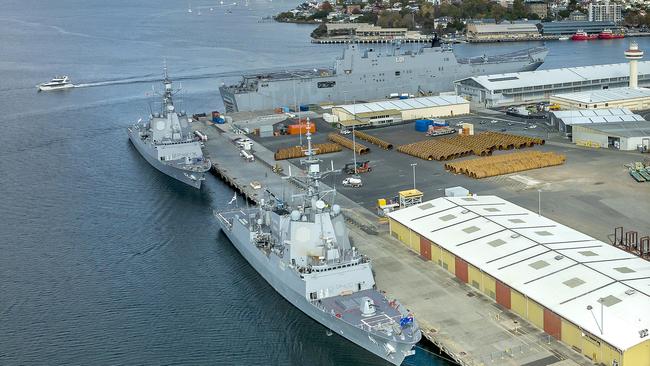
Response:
column 352, row 182
column 362, row 167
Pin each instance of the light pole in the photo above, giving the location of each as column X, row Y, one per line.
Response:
column 539, row 202
column 413, row 166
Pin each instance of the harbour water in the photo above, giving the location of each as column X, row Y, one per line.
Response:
column 103, row 259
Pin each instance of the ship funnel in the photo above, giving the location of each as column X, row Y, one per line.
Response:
column 633, row 53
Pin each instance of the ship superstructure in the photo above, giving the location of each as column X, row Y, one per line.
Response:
column 305, row 254
column 166, row 141
column 370, row 74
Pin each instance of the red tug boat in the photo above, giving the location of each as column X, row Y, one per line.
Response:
column 583, row 36
column 608, row 34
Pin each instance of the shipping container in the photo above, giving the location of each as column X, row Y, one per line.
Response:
column 298, row 129
column 304, row 107
column 218, row 120
column 422, row 125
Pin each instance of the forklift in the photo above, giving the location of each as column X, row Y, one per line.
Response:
column 362, row 167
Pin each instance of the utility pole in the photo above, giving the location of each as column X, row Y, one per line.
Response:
column 539, row 202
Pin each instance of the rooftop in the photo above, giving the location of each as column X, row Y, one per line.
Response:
column 586, row 116
column 554, row 265
column 557, row 77
column 624, row 129
column 606, row 95
column 402, row 104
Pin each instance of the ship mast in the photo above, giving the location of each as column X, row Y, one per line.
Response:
column 314, row 175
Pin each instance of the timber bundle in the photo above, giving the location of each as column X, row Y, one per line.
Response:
column 448, row 148
column 374, row 140
column 299, row 151
column 361, row 149
column 504, row 164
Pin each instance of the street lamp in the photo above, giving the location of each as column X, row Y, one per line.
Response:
column 413, row 166
column 539, row 202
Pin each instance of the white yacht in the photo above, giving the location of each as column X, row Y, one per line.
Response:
column 58, row 82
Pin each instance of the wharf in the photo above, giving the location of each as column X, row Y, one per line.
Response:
column 463, row 323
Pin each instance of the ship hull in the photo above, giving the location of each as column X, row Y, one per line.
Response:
column 280, row 279
column 52, row 88
column 418, row 79
column 178, row 174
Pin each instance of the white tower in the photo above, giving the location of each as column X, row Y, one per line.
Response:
column 634, row 54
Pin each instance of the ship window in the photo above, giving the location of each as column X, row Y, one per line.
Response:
column 397, row 73
column 313, row 296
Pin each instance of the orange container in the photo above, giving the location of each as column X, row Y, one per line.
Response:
column 300, row 129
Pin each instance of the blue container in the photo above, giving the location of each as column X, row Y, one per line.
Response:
column 304, row 108
column 218, row 120
column 422, row 125
column 440, row 123
column 286, row 109
column 403, row 97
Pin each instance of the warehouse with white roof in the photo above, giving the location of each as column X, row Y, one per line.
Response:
column 555, row 277
column 538, row 86
column 632, row 98
column 563, row 120
column 397, row 110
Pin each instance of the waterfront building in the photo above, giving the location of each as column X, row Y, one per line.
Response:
column 566, row 28
column 501, row 31
column 632, row 98
column 363, row 30
column 538, row 7
column 583, row 292
column 605, row 11
column 537, row 86
column 577, row 15
column 564, row 120
column 397, row 110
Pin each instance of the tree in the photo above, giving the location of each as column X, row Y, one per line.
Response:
column 326, row 6
column 498, row 12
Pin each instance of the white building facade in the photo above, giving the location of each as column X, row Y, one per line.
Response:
column 605, row 12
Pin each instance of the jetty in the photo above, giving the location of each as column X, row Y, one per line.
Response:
column 464, row 324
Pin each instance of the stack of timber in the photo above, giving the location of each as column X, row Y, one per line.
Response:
column 299, row 151
column 504, row 164
column 361, row 149
column 483, row 144
column 374, row 140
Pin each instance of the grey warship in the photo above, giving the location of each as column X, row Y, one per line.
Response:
column 166, row 142
column 305, row 254
column 369, row 74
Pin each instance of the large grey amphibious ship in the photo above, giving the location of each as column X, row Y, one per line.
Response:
column 305, row 254
column 166, row 141
column 370, row 74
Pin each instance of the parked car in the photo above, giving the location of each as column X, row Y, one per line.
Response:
column 352, row 182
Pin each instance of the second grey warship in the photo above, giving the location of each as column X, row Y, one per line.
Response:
column 166, row 141
column 305, row 254
column 369, row 74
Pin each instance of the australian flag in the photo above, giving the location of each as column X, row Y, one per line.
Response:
column 407, row 320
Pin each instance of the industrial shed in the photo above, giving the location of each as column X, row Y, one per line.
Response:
column 632, row 98
column 555, row 277
column 615, row 135
column 397, row 110
column 564, row 120
column 499, row 90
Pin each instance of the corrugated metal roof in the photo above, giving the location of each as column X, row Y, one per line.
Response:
column 623, row 129
column 607, row 95
column 560, row 268
column 586, row 116
column 403, row 104
column 526, row 79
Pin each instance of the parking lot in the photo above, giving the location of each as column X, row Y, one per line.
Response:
column 592, row 192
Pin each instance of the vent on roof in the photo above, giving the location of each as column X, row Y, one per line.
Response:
column 447, row 217
column 471, row 229
column 609, row 300
column 558, row 257
column 491, row 209
column 515, row 236
column 507, row 78
column 468, row 199
column 588, row 253
column 425, row 206
column 516, row 221
column 574, row 282
column 539, row 264
column 464, row 211
column 624, row 270
column 496, row 242
column 543, row 233
column 630, row 292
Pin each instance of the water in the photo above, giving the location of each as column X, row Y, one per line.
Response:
column 103, row 259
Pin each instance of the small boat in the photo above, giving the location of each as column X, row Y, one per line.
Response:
column 581, row 35
column 563, row 38
column 57, row 83
column 608, row 34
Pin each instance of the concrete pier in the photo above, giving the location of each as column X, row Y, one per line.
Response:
column 469, row 327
